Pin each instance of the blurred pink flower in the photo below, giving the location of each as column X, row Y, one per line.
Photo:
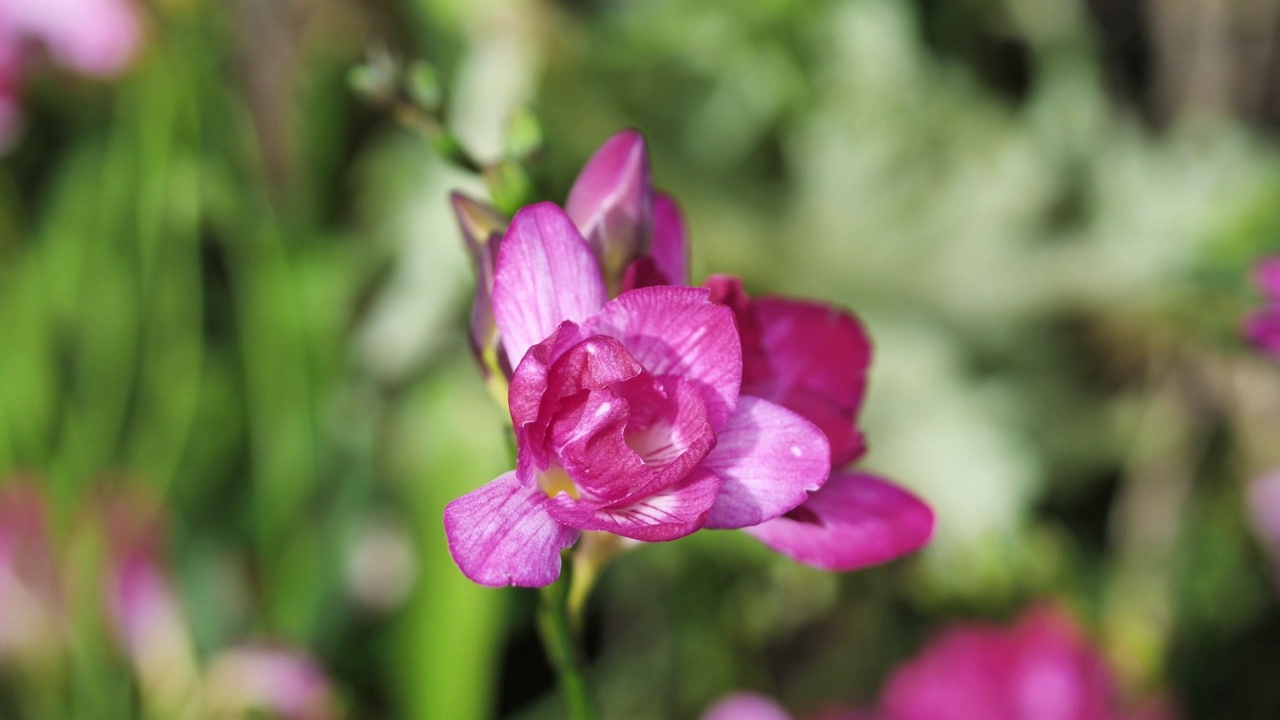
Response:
column 257, row 679
column 1263, row 501
column 746, row 706
column 141, row 603
column 30, row 592
column 812, row 359
column 1043, row 668
column 10, row 87
column 1262, row 326
column 627, row 416
column 91, row 37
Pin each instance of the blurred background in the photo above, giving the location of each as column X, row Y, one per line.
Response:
column 236, row 393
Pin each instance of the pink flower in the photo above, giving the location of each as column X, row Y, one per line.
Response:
column 746, row 706
column 259, row 679
column 626, row 412
column 813, row 359
column 30, row 592
column 1263, row 500
column 91, row 37
column 1262, row 326
column 1041, row 669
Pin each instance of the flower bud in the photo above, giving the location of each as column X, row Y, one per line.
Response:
column 612, row 204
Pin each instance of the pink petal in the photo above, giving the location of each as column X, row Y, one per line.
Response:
column 609, row 455
column 727, row 290
column 1263, row 497
column 1060, row 676
column 1042, row 669
column 284, row 683
column 95, row 37
column 959, row 675
column 612, row 201
column 746, row 706
column 853, row 521
column 1266, row 276
column 677, row 511
column 670, row 249
column 10, row 87
column 770, row 458
column 501, row 534
column 546, row 274
column 678, row 331
column 818, row 358
column 1262, row 330
column 529, row 382
column 643, row 272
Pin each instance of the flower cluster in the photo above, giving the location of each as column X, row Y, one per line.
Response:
column 1262, row 326
column 143, row 611
column 91, row 37
column 648, row 409
column 1043, row 667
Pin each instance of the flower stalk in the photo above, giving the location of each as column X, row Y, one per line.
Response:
column 557, row 627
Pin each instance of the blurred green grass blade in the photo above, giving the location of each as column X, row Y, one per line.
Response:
column 448, row 442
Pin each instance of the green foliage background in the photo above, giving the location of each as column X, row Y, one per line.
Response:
column 227, row 278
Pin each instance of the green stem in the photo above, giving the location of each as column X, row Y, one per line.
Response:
column 556, row 628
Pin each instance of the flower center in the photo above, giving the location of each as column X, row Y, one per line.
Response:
column 554, row 480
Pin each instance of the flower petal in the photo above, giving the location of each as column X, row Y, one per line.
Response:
column 612, row 201
column 670, row 248
column 1262, row 330
column 678, row 331
column 770, row 459
column 546, row 274
column 1266, row 276
column 746, row 706
column 818, row 358
column 855, row 520
column 501, row 534
column 677, row 511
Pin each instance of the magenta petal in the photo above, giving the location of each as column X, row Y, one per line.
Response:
column 546, row 274
column 818, row 358
column 678, row 331
column 746, row 706
column 1262, row 330
column 769, row 458
column 666, row 515
column 1044, row 668
column 501, row 534
column 670, row 249
column 612, row 201
column 1266, row 276
column 853, row 521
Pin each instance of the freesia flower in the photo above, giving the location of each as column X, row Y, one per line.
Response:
column 142, row 604
column 1262, row 326
column 282, row 683
column 30, row 594
column 1263, row 501
column 627, row 415
column 92, row 37
column 1043, row 668
column 813, row 359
